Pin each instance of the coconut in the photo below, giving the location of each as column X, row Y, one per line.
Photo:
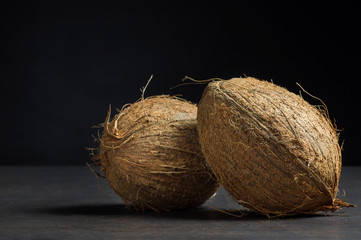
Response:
column 271, row 150
column 151, row 157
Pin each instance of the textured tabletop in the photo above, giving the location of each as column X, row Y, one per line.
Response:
column 66, row 203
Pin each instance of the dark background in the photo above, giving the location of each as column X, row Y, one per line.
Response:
column 63, row 64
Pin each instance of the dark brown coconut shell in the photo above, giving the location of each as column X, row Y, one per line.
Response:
column 270, row 149
column 151, row 156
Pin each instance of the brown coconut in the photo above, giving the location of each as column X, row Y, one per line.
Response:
column 151, row 157
column 270, row 149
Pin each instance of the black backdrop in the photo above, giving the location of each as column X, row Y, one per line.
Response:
column 63, row 64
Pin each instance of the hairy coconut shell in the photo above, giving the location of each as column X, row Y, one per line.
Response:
column 151, row 156
column 270, row 149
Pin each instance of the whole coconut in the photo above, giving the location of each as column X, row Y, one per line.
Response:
column 270, row 149
column 151, row 157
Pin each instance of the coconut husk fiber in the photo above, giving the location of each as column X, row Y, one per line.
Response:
column 150, row 155
column 270, row 149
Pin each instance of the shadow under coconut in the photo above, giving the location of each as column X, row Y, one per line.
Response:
column 201, row 213
column 100, row 209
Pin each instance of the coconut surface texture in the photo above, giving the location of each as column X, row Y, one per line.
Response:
column 151, row 157
column 270, row 149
